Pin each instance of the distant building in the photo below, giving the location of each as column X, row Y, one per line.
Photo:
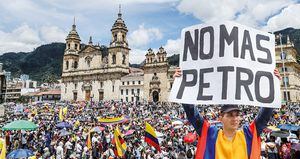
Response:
column 2, row 83
column 7, row 76
column 132, row 86
column 13, row 91
column 17, row 88
column 24, row 77
column 292, row 71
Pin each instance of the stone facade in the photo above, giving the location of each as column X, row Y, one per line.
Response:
column 93, row 72
column 291, row 70
column 158, row 78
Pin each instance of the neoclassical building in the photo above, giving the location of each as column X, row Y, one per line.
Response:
column 291, row 70
column 92, row 72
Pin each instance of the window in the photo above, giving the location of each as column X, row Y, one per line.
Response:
column 133, row 82
column 75, row 85
column 132, row 99
column 284, row 69
column 132, row 91
column 75, row 96
column 285, row 80
column 138, row 91
column 123, row 83
column 113, row 59
column 88, row 60
column 126, row 99
column 75, row 64
column 115, row 39
column 283, row 56
column 121, row 91
column 171, row 84
column 126, row 92
column 124, row 59
column 76, row 46
column 128, row 83
column 88, row 63
column 113, row 88
column 139, row 82
column 286, row 96
column 67, row 65
column 30, row 84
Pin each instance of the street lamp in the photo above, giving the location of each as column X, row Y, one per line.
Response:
column 283, row 57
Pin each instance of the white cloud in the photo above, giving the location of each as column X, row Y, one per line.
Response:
column 25, row 38
column 143, row 36
column 137, row 56
column 287, row 18
column 22, row 38
column 252, row 13
column 173, row 46
column 52, row 34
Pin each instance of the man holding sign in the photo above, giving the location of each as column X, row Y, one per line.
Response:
column 227, row 64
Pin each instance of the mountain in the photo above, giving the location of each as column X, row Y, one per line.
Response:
column 45, row 62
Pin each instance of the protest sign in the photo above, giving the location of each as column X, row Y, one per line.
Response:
column 227, row 63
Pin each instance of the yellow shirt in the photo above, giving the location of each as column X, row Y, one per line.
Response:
column 236, row 148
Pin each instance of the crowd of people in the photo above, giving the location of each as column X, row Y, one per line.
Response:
column 168, row 119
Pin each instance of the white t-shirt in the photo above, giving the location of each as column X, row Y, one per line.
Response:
column 68, row 145
column 59, row 152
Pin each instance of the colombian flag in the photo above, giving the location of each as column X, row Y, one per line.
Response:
column 3, row 148
column 151, row 138
column 60, row 115
column 88, row 141
column 120, row 143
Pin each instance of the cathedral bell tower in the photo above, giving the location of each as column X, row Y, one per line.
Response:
column 71, row 56
column 118, row 50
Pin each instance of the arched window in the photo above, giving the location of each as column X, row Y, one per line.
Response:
column 88, row 63
column 75, row 64
column 67, row 65
column 76, row 46
column 124, row 59
column 115, row 37
column 68, row 46
column 113, row 59
column 88, row 60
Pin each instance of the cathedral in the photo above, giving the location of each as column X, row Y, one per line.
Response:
column 93, row 72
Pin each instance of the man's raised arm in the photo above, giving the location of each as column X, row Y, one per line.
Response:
column 191, row 111
column 194, row 117
column 264, row 115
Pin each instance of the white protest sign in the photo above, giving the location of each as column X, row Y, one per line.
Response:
column 227, row 63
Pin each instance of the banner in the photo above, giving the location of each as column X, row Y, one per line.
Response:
column 227, row 63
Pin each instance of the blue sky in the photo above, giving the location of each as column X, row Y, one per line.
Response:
column 27, row 24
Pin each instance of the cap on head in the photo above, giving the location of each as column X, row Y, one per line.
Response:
column 229, row 108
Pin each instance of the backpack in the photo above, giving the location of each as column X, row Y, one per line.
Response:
column 189, row 153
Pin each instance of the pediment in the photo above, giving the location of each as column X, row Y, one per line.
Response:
column 89, row 49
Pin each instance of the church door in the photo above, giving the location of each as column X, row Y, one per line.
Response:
column 100, row 96
column 87, row 95
column 75, row 96
column 155, row 96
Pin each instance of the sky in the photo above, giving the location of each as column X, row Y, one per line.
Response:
column 27, row 24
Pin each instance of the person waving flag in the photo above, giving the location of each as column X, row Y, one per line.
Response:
column 120, row 142
column 150, row 137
